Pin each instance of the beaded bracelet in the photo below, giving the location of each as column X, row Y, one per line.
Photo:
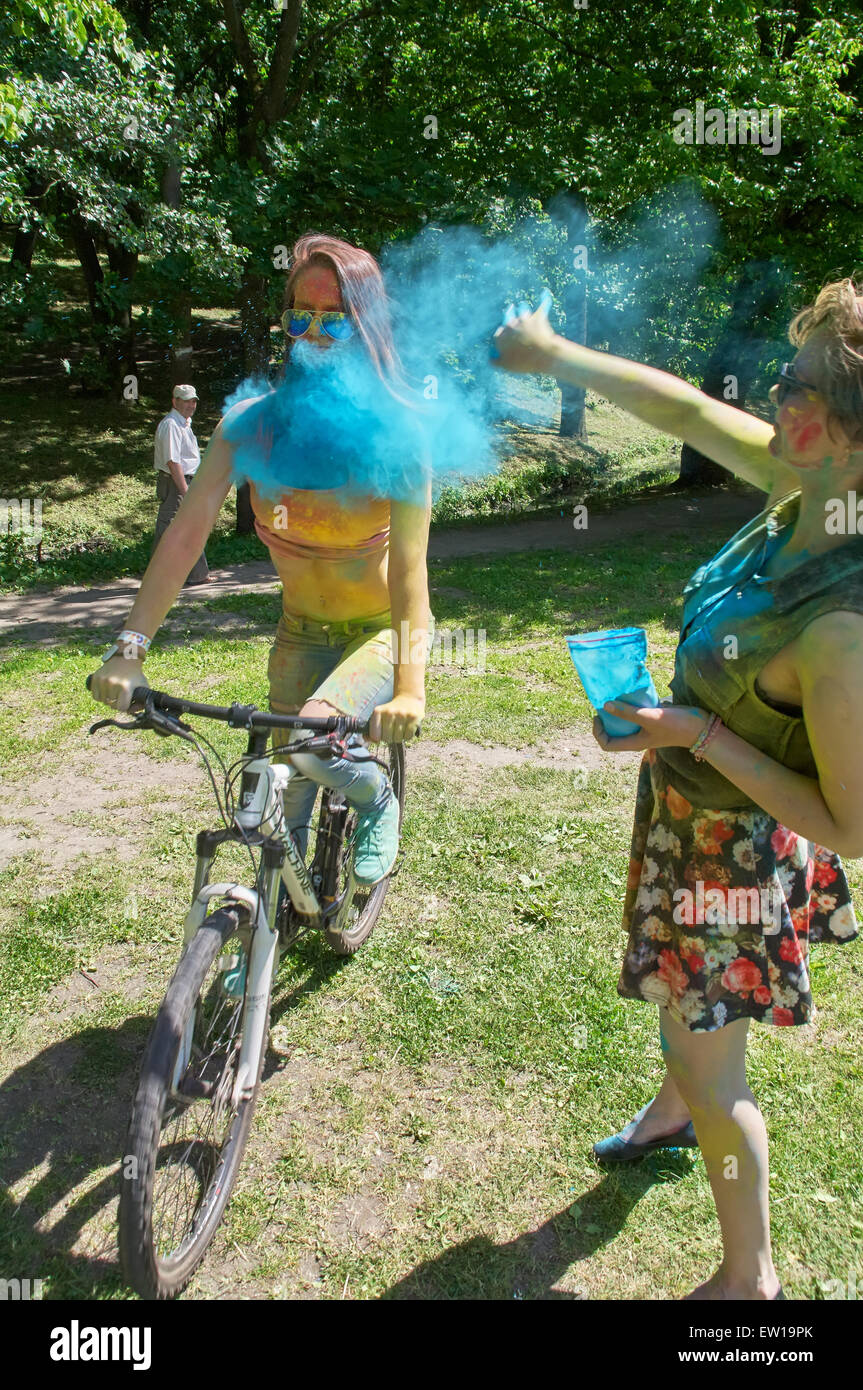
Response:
column 709, row 732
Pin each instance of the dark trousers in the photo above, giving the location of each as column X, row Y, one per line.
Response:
column 169, row 501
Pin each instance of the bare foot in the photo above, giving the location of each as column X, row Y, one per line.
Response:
column 720, row 1287
column 660, row 1118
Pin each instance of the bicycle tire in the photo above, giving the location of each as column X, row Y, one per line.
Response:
column 346, row 940
column 150, row 1275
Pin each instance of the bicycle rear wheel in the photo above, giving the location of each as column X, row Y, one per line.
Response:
column 361, row 908
column 186, row 1135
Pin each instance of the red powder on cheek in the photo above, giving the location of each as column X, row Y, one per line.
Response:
column 804, row 437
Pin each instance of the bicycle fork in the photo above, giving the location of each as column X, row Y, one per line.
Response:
column 280, row 859
column 263, row 959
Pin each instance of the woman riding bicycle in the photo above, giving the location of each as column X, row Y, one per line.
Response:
column 353, row 636
column 756, row 763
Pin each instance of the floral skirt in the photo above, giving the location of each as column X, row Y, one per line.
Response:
column 720, row 908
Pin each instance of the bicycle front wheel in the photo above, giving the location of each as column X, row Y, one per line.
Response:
column 186, row 1135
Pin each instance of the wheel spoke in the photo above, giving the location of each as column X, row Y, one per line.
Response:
column 195, row 1134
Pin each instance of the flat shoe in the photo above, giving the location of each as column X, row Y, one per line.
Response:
column 616, row 1149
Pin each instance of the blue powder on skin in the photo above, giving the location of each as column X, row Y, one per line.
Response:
column 334, row 423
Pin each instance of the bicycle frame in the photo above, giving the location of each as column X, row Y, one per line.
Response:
column 259, row 820
column 263, row 813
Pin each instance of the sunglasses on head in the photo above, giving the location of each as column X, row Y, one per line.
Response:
column 788, row 381
column 335, row 324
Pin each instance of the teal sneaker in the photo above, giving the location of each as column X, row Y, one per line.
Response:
column 234, row 979
column 377, row 844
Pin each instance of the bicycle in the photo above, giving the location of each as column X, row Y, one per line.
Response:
column 202, row 1066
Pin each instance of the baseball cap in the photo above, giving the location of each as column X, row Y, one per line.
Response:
column 184, row 393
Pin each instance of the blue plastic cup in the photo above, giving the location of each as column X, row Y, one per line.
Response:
column 612, row 666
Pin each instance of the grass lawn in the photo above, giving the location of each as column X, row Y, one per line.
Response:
column 428, row 1107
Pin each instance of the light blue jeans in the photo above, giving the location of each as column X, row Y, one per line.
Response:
column 350, row 665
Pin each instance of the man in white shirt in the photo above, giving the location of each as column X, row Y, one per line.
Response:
column 177, row 456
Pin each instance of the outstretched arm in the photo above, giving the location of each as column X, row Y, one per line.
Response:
column 733, row 438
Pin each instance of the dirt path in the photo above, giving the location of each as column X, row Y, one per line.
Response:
column 40, row 617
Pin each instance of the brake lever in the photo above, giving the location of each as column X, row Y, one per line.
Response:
column 148, row 718
column 115, row 724
column 165, row 724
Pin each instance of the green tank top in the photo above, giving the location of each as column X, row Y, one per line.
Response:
column 735, row 618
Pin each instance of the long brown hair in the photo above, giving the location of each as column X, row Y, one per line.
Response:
column 363, row 295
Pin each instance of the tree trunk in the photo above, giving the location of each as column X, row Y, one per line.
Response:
column 570, row 211
column 572, row 418
column 182, row 363
column 245, row 516
column 254, row 322
column 25, row 237
column 22, row 247
column 124, row 265
column 112, row 328
column 85, row 250
column 259, row 103
column 733, row 362
column 255, row 336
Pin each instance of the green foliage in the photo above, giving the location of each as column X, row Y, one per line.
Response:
column 530, row 101
column 25, row 303
column 70, row 25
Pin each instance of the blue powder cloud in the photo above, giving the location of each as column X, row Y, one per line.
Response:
column 333, row 422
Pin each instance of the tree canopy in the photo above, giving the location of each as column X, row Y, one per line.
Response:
column 202, row 137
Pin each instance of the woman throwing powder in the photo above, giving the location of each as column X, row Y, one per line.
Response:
column 755, row 766
column 341, row 497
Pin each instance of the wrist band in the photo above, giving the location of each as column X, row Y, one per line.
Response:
column 138, row 638
column 709, row 732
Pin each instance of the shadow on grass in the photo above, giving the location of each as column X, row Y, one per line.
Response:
column 64, row 1115
column 313, row 954
column 529, row 1266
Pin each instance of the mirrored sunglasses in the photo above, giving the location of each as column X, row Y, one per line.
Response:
column 334, row 323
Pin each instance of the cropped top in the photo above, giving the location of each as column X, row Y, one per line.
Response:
column 735, row 619
column 306, row 523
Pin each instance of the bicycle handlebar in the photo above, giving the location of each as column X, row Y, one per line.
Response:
column 246, row 716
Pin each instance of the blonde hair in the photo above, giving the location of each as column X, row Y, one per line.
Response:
column 838, row 313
